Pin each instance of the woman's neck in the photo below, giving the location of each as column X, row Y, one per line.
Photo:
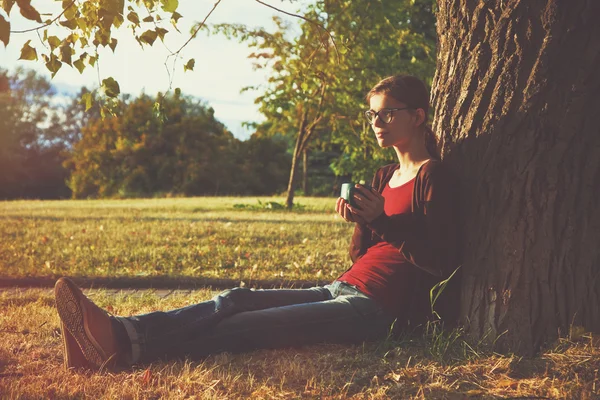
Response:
column 411, row 159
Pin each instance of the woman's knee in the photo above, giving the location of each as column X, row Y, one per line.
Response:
column 235, row 295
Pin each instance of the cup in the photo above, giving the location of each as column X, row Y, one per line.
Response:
column 348, row 190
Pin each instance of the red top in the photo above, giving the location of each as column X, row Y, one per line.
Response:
column 381, row 272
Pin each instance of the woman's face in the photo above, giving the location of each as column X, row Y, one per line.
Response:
column 401, row 130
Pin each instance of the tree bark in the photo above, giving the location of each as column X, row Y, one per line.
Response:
column 305, row 132
column 517, row 106
column 305, row 172
column 289, row 201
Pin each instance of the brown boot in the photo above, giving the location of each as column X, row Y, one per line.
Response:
column 87, row 329
column 74, row 358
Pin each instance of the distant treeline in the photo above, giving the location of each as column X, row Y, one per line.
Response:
column 57, row 149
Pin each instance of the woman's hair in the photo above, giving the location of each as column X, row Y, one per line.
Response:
column 411, row 91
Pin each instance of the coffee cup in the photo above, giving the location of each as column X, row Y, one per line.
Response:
column 348, row 190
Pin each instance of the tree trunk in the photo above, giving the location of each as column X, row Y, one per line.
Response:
column 305, row 172
column 517, row 103
column 289, row 201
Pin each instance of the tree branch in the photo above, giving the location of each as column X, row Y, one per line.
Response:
column 49, row 22
column 197, row 29
column 307, row 20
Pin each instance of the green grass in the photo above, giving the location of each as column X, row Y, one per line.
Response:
column 178, row 238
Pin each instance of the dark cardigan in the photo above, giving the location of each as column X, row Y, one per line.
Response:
column 429, row 236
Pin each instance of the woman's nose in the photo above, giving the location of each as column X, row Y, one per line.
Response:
column 377, row 121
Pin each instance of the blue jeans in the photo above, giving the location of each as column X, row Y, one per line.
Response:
column 242, row 319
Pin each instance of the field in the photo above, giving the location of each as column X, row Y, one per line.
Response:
column 188, row 243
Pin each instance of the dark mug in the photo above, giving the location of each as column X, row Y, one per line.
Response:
column 348, row 190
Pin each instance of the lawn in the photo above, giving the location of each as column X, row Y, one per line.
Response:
column 182, row 239
column 235, row 240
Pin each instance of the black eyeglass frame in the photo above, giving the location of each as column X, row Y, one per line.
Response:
column 375, row 114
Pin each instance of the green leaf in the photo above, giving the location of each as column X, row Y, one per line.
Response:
column 54, row 42
column 70, row 9
column 189, row 65
column 177, row 92
column 161, row 32
column 118, row 21
column 170, row 5
column 71, row 23
column 53, row 64
column 175, row 17
column 148, row 37
column 133, row 17
column 87, row 99
column 114, row 7
column 92, row 60
column 304, row 86
column 28, row 11
column 79, row 65
column 28, row 52
column 7, row 5
column 4, row 31
column 65, row 53
column 110, row 87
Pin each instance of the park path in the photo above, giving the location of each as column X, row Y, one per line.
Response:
column 162, row 293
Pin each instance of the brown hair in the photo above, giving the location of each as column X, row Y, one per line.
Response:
column 413, row 92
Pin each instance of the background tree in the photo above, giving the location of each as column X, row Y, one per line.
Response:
column 319, row 78
column 186, row 152
column 30, row 153
column 516, row 103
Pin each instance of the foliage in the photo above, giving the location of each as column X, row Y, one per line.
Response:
column 186, row 152
column 318, row 79
column 31, row 152
column 314, row 93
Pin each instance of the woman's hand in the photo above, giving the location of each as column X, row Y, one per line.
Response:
column 343, row 209
column 369, row 204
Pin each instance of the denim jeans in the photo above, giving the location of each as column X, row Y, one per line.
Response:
column 243, row 319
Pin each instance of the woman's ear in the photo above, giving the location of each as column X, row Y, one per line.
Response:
column 419, row 116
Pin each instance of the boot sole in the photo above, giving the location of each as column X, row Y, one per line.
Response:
column 74, row 358
column 73, row 316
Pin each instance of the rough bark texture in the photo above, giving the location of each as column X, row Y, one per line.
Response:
column 517, row 100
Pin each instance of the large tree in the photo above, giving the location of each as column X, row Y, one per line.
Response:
column 516, row 100
column 318, row 79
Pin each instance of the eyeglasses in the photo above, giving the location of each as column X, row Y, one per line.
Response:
column 385, row 114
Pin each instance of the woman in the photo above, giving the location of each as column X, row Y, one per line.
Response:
column 404, row 242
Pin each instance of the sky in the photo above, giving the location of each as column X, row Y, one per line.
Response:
column 221, row 70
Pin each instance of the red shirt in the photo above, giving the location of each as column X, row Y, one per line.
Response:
column 383, row 273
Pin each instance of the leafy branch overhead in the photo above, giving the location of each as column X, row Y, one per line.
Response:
column 87, row 26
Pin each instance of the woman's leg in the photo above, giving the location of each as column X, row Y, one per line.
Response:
column 347, row 316
column 163, row 334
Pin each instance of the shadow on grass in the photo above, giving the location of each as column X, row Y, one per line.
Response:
column 152, row 219
column 154, row 282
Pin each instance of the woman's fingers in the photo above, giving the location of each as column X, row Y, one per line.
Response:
column 341, row 207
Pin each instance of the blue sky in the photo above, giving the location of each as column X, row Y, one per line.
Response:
column 221, row 70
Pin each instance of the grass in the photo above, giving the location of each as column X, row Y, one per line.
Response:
column 178, row 238
column 435, row 365
column 212, row 237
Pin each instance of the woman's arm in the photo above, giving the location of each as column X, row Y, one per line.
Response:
column 428, row 237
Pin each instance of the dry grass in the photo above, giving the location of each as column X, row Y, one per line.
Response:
column 432, row 366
